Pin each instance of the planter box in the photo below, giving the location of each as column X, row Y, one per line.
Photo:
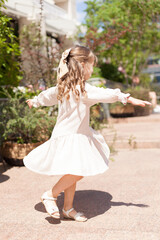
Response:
column 13, row 153
column 130, row 111
column 142, row 111
column 122, row 111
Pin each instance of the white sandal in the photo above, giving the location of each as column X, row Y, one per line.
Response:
column 50, row 208
column 78, row 216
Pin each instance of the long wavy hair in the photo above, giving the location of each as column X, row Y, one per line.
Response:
column 75, row 75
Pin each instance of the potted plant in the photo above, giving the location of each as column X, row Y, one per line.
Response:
column 141, row 93
column 23, row 129
column 118, row 109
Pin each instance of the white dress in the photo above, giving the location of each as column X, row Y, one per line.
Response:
column 74, row 147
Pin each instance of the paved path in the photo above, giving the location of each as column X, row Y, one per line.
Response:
column 121, row 204
column 136, row 132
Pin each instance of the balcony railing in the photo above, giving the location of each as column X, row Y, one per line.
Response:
column 32, row 7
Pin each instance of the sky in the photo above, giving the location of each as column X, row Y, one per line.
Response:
column 80, row 7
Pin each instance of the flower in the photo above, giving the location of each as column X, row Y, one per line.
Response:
column 120, row 69
column 15, row 89
column 21, row 89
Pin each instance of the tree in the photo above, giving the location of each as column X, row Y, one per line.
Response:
column 10, row 73
column 40, row 56
column 124, row 31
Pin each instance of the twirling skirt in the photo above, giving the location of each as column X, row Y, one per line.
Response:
column 76, row 154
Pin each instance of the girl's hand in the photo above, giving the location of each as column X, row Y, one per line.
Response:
column 138, row 102
column 29, row 102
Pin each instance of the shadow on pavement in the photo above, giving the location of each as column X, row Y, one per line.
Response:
column 3, row 168
column 3, row 178
column 91, row 202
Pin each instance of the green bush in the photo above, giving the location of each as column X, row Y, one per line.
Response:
column 97, row 112
column 109, row 71
column 10, row 73
column 40, row 57
column 96, row 72
column 145, row 80
column 139, row 92
column 95, row 116
column 20, row 124
column 18, row 92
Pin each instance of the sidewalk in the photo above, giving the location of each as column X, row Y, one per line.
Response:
column 135, row 132
column 121, row 204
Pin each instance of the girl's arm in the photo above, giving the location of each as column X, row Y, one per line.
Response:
column 45, row 98
column 29, row 102
column 108, row 95
column 138, row 102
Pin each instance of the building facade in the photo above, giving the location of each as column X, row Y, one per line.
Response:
column 58, row 23
column 58, row 16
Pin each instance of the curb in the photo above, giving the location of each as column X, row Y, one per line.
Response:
column 149, row 118
column 133, row 145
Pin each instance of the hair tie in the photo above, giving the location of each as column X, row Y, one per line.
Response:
column 63, row 68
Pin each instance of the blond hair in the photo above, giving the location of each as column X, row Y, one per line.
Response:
column 77, row 55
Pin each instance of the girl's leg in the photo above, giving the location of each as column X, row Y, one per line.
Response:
column 68, row 199
column 66, row 183
column 69, row 196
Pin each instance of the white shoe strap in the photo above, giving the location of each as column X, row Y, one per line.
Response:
column 50, row 208
column 79, row 214
column 46, row 197
column 68, row 211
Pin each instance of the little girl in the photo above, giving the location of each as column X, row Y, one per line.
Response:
column 74, row 149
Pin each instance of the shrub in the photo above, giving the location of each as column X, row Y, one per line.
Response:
column 139, row 92
column 145, row 80
column 40, row 57
column 20, row 124
column 10, row 73
column 109, row 71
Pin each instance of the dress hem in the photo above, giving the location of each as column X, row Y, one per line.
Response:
column 64, row 173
